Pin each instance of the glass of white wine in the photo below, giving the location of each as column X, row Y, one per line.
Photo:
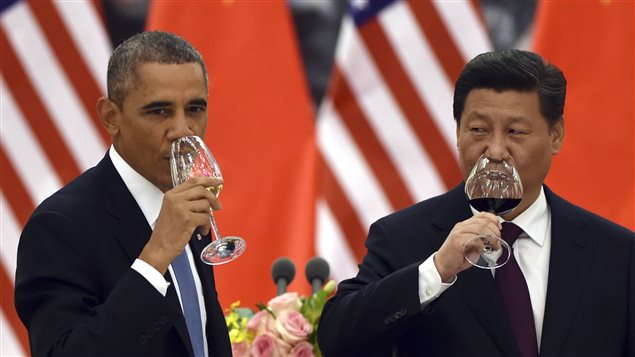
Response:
column 189, row 158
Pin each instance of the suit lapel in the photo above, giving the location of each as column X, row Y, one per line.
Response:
column 570, row 260
column 476, row 286
column 133, row 232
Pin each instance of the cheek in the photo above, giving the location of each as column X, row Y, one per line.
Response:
column 467, row 160
column 468, row 155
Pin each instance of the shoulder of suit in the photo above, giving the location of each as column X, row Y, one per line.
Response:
column 594, row 221
column 79, row 194
column 428, row 208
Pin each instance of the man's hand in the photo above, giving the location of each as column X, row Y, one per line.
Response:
column 450, row 259
column 184, row 209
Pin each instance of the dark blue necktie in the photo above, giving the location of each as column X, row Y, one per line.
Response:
column 189, row 299
column 515, row 294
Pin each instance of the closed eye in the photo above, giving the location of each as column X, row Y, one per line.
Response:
column 477, row 130
column 517, row 131
column 158, row 108
column 197, row 109
column 158, row 112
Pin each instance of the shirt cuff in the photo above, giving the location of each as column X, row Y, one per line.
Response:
column 151, row 275
column 430, row 284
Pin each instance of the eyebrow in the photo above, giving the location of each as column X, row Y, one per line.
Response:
column 155, row 105
column 201, row 102
column 514, row 119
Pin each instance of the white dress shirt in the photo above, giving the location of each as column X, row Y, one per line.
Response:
column 531, row 250
column 150, row 198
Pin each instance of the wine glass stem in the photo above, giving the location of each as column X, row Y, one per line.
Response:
column 212, row 221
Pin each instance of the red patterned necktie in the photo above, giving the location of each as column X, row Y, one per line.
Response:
column 515, row 294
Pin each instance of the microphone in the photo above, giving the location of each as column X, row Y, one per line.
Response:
column 282, row 272
column 317, row 271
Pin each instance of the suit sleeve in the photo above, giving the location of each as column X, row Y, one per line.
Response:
column 371, row 311
column 61, row 299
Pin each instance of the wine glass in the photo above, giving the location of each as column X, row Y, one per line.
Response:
column 493, row 186
column 189, row 158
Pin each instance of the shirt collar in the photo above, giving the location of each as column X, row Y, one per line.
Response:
column 148, row 196
column 534, row 221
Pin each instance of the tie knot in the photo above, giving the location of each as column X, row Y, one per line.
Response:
column 510, row 232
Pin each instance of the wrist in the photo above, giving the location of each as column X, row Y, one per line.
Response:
column 447, row 276
column 155, row 258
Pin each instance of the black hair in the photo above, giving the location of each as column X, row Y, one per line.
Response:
column 146, row 47
column 513, row 70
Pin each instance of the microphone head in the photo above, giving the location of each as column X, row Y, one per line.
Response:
column 317, row 268
column 283, row 268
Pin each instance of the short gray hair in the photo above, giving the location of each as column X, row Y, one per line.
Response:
column 146, row 47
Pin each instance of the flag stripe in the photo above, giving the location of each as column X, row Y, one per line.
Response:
column 417, row 115
column 8, row 309
column 44, row 72
column 335, row 250
column 36, row 115
column 20, row 204
column 465, row 26
column 70, row 59
column 385, row 117
column 85, row 23
column 26, row 153
column 342, row 210
column 420, row 63
column 438, row 36
column 17, row 196
column 352, row 171
column 371, row 148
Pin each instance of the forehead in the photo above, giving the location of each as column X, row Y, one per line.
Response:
column 164, row 73
column 509, row 105
column 165, row 81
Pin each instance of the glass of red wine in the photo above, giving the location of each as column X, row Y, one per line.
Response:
column 492, row 186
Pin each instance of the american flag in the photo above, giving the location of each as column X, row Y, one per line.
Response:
column 386, row 133
column 53, row 60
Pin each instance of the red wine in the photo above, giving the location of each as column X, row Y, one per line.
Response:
column 499, row 206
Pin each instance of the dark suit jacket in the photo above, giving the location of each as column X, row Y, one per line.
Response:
column 590, row 302
column 75, row 290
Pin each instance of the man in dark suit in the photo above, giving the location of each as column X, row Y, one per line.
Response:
column 416, row 294
column 95, row 273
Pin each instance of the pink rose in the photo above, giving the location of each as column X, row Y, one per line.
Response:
column 261, row 322
column 264, row 346
column 267, row 345
column 286, row 301
column 302, row 349
column 240, row 349
column 293, row 327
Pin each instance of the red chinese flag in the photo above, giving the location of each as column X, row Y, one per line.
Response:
column 261, row 131
column 592, row 42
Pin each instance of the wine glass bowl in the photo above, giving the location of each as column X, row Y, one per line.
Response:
column 492, row 186
column 189, row 158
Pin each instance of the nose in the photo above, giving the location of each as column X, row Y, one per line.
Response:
column 180, row 127
column 497, row 148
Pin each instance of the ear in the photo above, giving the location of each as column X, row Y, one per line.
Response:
column 557, row 136
column 109, row 115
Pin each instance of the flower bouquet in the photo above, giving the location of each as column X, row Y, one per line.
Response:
column 286, row 326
